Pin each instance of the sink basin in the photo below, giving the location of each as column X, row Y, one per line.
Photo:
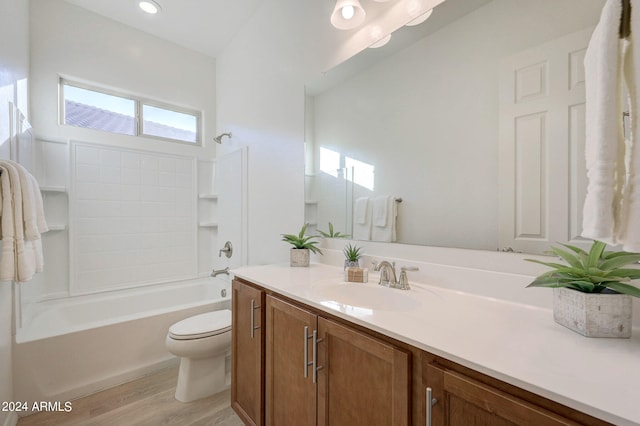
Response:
column 365, row 296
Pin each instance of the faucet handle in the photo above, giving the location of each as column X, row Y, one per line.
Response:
column 403, row 282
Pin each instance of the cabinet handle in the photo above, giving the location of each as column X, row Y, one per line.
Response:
column 306, row 351
column 430, row 402
column 253, row 318
column 314, row 363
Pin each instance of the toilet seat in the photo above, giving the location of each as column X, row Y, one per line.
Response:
column 203, row 325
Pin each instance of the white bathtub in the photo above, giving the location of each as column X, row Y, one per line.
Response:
column 73, row 347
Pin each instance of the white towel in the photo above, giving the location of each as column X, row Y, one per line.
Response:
column 362, row 219
column 360, row 210
column 628, row 231
column 7, row 244
column 385, row 211
column 604, row 134
column 22, row 222
column 381, row 210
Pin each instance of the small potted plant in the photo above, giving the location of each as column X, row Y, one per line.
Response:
column 352, row 256
column 331, row 233
column 592, row 291
column 302, row 244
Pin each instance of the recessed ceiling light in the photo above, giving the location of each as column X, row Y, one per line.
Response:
column 149, row 6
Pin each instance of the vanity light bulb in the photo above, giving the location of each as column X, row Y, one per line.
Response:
column 348, row 12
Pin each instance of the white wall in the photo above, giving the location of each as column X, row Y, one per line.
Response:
column 14, row 73
column 70, row 41
column 260, row 98
column 427, row 118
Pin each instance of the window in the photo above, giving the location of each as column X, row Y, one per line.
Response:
column 98, row 109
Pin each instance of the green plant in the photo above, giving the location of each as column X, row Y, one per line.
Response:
column 302, row 241
column 352, row 253
column 331, row 233
column 591, row 272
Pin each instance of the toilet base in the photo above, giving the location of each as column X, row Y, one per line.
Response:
column 200, row 378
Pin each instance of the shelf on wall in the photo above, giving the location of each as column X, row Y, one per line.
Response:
column 57, row 228
column 53, row 189
column 208, row 224
column 208, row 196
column 311, row 202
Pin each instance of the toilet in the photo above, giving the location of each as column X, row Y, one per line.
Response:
column 203, row 342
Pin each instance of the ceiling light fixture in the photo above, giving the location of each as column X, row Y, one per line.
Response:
column 420, row 19
column 149, row 6
column 348, row 14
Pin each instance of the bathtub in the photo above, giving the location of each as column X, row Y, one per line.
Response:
column 70, row 348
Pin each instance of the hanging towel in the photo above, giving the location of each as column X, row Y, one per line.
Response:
column 628, row 231
column 381, row 211
column 385, row 212
column 362, row 219
column 604, row 134
column 22, row 222
column 360, row 210
column 7, row 243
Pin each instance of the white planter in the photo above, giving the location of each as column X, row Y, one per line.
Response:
column 593, row 314
column 299, row 257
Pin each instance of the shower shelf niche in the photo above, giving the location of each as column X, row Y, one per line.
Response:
column 208, row 225
column 56, row 207
column 46, row 189
column 212, row 197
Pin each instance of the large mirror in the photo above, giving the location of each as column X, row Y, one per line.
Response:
column 464, row 125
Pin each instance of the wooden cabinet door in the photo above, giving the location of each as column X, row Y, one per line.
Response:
column 247, row 343
column 463, row 401
column 290, row 396
column 361, row 380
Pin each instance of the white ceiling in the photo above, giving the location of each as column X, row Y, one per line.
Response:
column 206, row 26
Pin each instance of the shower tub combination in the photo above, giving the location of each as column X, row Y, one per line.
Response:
column 77, row 346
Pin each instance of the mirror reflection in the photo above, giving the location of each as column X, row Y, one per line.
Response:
column 477, row 127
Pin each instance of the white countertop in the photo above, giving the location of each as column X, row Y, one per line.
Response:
column 514, row 342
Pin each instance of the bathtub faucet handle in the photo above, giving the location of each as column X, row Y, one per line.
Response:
column 227, row 250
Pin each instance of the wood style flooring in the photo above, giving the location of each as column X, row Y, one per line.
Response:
column 145, row 401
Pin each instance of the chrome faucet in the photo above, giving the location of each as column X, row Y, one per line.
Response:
column 215, row 273
column 387, row 268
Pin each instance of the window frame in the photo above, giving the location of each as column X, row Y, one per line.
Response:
column 139, row 103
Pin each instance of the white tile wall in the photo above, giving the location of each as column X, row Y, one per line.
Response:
column 133, row 216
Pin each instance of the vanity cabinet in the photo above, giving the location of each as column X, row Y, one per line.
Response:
column 461, row 397
column 247, row 348
column 319, row 371
column 294, row 364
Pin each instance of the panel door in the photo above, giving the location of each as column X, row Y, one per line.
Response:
column 361, row 380
column 290, row 391
column 247, row 381
column 462, row 401
column 541, row 150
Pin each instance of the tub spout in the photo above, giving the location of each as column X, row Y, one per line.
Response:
column 215, row 273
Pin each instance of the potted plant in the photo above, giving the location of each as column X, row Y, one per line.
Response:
column 331, row 233
column 352, row 256
column 592, row 291
column 302, row 244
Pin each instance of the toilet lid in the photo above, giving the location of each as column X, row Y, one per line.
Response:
column 203, row 325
